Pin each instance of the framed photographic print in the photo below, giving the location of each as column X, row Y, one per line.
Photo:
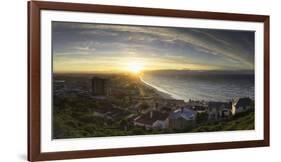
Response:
column 112, row 80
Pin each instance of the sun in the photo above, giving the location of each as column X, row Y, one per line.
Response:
column 135, row 67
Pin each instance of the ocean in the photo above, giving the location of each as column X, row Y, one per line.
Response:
column 202, row 86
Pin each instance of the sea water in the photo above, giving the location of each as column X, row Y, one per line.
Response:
column 208, row 87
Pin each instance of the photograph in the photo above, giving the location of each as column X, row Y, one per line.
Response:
column 106, row 80
column 127, row 80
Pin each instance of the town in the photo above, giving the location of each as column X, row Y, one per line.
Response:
column 121, row 104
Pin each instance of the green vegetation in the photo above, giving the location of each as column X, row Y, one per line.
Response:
column 79, row 116
column 70, row 122
column 243, row 121
column 201, row 117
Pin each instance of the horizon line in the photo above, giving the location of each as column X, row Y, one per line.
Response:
column 124, row 72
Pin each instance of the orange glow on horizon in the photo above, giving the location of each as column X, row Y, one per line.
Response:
column 135, row 67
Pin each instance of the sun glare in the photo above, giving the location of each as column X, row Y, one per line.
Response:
column 135, row 67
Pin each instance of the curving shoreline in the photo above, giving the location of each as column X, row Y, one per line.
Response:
column 161, row 92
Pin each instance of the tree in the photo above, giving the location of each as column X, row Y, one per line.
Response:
column 202, row 117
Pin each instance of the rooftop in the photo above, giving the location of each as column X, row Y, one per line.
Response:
column 152, row 116
column 186, row 113
column 244, row 102
column 217, row 105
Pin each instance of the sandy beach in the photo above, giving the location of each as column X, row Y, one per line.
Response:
column 159, row 91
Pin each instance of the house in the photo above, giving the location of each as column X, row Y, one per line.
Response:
column 171, row 103
column 59, row 85
column 166, row 109
column 142, row 107
column 152, row 120
column 241, row 105
column 99, row 86
column 110, row 113
column 200, row 108
column 182, row 118
column 218, row 110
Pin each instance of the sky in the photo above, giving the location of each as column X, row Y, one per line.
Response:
column 89, row 48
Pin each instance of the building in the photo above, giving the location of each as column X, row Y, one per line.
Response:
column 142, row 107
column 99, row 86
column 182, row 118
column 173, row 104
column 59, row 84
column 199, row 108
column 152, row 120
column 218, row 110
column 241, row 105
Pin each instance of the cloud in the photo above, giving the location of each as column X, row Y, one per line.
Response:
column 196, row 45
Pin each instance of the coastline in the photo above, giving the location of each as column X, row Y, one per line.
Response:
column 136, row 106
column 161, row 92
column 197, row 89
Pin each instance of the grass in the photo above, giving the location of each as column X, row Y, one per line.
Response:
column 243, row 121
